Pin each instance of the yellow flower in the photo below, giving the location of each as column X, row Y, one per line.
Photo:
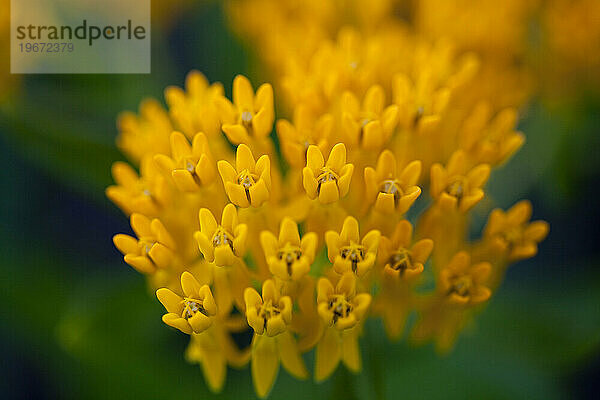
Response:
column 306, row 130
column 511, row 233
column 249, row 183
column 249, row 116
column 194, row 110
column 392, row 192
column 371, row 125
column 462, row 283
column 145, row 194
column 328, row 181
column 400, row 258
column 488, row 140
column 190, row 166
column 270, row 317
column 221, row 244
column 421, row 102
column 289, row 257
column 402, row 264
column 153, row 249
column 145, row 134
column 348, row 252
column 191, row 313
column 341, row 309
column 454, row 187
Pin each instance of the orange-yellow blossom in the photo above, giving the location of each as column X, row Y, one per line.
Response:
column 192, row 312
column 249, row 183
column 348, row 252
column 456, row 187
column 154, row 247
column 327, row 181
column 221, row 244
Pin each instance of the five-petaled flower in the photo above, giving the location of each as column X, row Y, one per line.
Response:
column 371, row 125
column 249, row 183
column 389, row 190
column 327, row 181
column 192, row 312
column 306, row 130
column 401, row 259
column 194, row 110
column 270, row 317
column 348, row 252
column 402, row 262
column 455, row 187
column 145, row 194
column 463, row 283
column 152, row 249
column 288, row 256
column 221, row 244
column 511, row 234
column 190, row 166
column 341, row 310
column 250, row 116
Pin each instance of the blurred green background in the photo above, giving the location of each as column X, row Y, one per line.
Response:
column 78, row 323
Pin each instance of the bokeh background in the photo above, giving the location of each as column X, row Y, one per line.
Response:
column 77, row 322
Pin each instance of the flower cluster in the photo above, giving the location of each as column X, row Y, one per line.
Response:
column 366, row 197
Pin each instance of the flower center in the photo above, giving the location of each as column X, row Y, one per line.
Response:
column 392, row 186
column 268, row 311
column 513, row 236
column 326, row 175
column 247, row 179
column 401, row 261
column 355, row 253
column 145, row 245
column 189, row 165
column 191, row 307
column 246, row 117
column 340, row 306
column 222, row 238
column 461, row 285
column 458, row 187
column 289, row 254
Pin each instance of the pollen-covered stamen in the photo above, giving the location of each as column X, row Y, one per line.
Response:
column 461, row 285
column 289, row 254
column 191, row 307
column 340, row 306
column 268, row 311
column 355, row 253
column 145, row 245
column 222, row 238
column 247, row 180
column 392, row 186
column 326, row 175
column 401, row 261
column 458, row 187
column 189, row 164
column 246, row 120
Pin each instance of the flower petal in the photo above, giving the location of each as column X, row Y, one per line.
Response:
column 264, row 364
column 328, row 354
